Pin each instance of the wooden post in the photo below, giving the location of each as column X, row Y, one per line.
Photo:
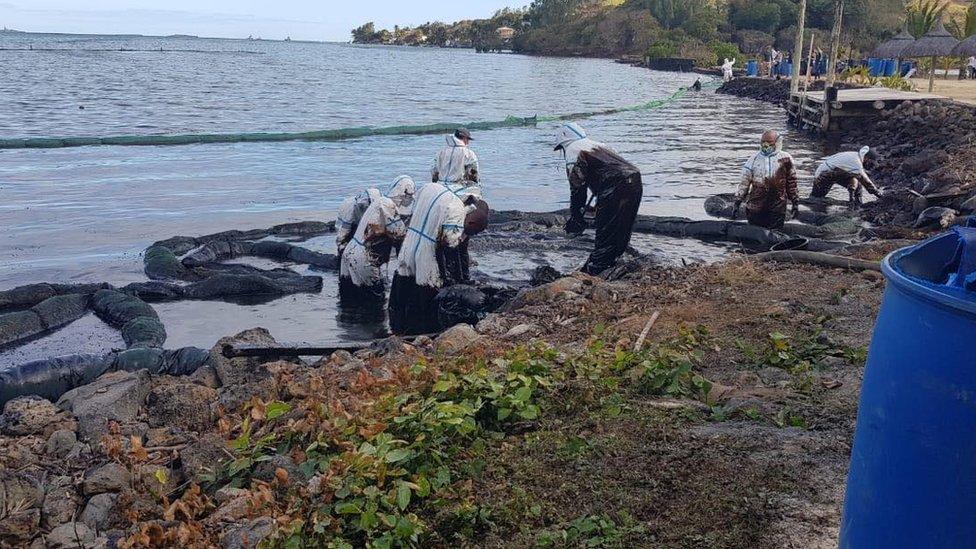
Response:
column 835, row 42
column 798, row 48
column 932, row 75
column 806, row 84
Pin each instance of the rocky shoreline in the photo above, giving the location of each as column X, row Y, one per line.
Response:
column 927, row 157
column 245, row 449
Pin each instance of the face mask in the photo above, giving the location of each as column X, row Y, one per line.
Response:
column 767, row 149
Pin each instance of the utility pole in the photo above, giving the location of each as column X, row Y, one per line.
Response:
column 798, row 48
column 835, row 42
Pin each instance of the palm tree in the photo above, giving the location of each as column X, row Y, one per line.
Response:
column 965, row 26
column 921, row 16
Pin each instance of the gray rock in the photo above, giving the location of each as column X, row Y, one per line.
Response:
column 100, row 513
column 71, row 536
column 111, row 477
column 60, row 443
column 238, row 371
column 206, row 376
column 492, row 325
column 248, row 535
column 522, row 329
column 935, row 216
column 33, row 416
column 456, row 339
column 116, row 396
column 182, row 404
column 204, row 457
column 60, row 502
column 19, row 491
column 18, row 528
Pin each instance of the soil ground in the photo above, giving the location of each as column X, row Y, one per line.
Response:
column 762, row 466
column 963, row 91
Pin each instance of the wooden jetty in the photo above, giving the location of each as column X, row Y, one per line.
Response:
column 810, row 109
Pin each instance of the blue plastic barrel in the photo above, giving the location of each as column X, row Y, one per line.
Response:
column 786, row 68
column 752, row 68
column 912, row 480
column 890, row 67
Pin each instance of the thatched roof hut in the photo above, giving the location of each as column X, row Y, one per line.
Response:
column 936, row 43
column 966, row 48
column 893, row 49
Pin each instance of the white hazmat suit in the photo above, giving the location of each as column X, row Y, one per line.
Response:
column 456, row 163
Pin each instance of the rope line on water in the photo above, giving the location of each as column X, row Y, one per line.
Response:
column 339, row 134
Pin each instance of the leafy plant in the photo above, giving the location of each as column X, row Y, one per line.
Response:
column 964, row 25
column 662, row 49
column 668, row 369
column 589, row 531
column 922, row 15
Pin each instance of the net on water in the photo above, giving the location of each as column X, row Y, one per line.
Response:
column 338, row 134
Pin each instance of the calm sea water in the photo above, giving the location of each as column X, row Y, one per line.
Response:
column 86, row 214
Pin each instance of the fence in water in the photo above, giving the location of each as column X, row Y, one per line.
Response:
column 339, row 134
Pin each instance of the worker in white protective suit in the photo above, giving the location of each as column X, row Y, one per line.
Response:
column 380, row 231
column 433, row 254
column 352, row 209
column 727, row 69
column 347, row 218
column 849, row 170
column 768, row 184
column 615, row 183
column 456, row 163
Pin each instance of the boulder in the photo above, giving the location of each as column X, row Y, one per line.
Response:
column 936, row 217
column 111, row 477
column 72, row 535
column 61, row 502
column 235, row 371
column 60, row 443
column 183, row 404
column 204, row 457
column 32, row 415
column 492, row 325
column 249, row 535
column 100, row 512
column 19, row 491
column 456, row 339
column 17, row 528
column 115, row 396
column 521, row 330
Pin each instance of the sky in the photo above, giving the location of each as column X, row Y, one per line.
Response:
column 272, row 19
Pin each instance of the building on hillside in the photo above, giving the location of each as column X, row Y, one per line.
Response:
column 505, row 33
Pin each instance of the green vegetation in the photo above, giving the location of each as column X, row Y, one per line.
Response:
column 704, row 30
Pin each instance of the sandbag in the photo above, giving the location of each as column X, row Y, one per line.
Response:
column 304, row 228
column 160, row 263
column 26, row 296
column 328, row 262
column 51, row 378
column 461, row 304
column 61, row 310
column 216, row 250
column 116, row 308
column 144, row 331
column 154, row 292
column 229, row 285
column 271, row 249
column 19, row 325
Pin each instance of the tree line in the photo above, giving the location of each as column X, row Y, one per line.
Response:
column 704, row 30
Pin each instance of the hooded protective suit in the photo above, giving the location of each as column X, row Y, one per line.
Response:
column 727, row 69
column 847, row 170
column 594, row 167
column 430, row 257
column 381, row 229
column 350, row 212
column 768, row 186
column 455, row 164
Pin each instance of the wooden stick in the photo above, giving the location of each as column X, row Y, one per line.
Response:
column 647, row 330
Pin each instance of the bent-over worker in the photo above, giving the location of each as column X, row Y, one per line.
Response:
column 616, row 185
column 768, row 184
column 849, row 170
column 456, row 164
column 433, row 255
column 380, row 231
column 347, row 218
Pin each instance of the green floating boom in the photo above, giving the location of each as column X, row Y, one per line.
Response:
column 339, row 134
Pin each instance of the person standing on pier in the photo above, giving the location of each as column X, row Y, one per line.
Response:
column 848, row 170
column 616, row 185
column 456, row 164
column 768, row 185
